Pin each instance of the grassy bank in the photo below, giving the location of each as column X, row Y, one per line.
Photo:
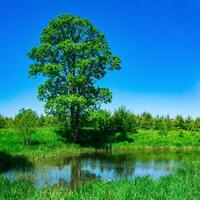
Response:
column 148, row 139
column 46, row 142
column 184, row 184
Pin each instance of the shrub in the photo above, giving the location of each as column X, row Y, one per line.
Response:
column 146, row 121
column 25, row 123
column 123, row 121
column 2, row 122
column 100, row 120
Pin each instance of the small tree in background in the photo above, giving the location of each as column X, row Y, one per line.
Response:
column 9, row 122
column 196, row 124
column 25, row 123
column 179, row 123
column 122, row 121
column 2, row 122
column 188, row 123
column 158, row 122
column 168, row 123
column 146, row 121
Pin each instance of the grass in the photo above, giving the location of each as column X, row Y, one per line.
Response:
column 184, row 184
column 46, row 143
column 146, row 139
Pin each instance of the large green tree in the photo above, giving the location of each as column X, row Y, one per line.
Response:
column 72, row 56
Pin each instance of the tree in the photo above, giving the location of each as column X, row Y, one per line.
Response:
column 179, row 122
column 146, row 121
column 158, row 122
column 188, row 123
column 25, row 123
column 196, row 124
column 2, row 122
column 72, row 56
column 134, row 120
column 123, row 121
column 168, row 123
column 101, row 120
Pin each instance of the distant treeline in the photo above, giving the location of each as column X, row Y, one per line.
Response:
column 121, row 120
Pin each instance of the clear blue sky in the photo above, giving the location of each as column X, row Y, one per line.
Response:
column 158, row 42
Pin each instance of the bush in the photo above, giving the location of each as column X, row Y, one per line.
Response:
column 146, row 121
column 9, row 122
column 123, row 121
column 179, row 123
column 100, row 120
column 25, row 123
column 2, row 122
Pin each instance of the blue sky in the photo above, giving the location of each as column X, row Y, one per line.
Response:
column 158, row 42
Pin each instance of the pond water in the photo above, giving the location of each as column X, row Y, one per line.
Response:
column 72, row 171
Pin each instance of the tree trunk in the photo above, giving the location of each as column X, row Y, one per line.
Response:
column 74, row 123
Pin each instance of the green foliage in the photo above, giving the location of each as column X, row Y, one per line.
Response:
column 5, row 122
column 47, row 121
column 53, row 122
column 123, row 121
column 196, row 124
column 168, row 123
column 72, row 56
column 179, row 122
column 2, row 122
column 100, row 120
column 158, row 122
column 146, row 121
column 9, row 122
column 188, row 123
column 25, row 123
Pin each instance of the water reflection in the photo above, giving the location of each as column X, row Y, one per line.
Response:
column 76, row 170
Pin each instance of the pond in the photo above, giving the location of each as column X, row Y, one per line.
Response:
column 73, row 171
